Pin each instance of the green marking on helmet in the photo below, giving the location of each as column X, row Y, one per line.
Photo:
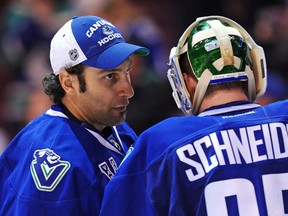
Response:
column 206, row 51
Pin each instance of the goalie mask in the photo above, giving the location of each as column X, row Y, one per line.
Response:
column 219, row 50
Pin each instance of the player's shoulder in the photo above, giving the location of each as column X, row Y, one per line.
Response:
column 182, row 124
column 276, row 106
column 274, row 110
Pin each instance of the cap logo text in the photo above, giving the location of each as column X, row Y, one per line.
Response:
column 95, row 27
column 109, row 38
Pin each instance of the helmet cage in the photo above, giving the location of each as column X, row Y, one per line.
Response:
column 179, row 90
column 256, row 76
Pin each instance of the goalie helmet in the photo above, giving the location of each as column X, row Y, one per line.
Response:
column 219, row 50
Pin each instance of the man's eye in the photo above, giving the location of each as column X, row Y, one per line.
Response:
column 109, row 76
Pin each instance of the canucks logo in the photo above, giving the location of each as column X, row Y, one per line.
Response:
column 107, row 30
column 47, row 169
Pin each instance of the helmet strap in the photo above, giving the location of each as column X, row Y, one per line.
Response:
column 200, row 90
column 251, row 84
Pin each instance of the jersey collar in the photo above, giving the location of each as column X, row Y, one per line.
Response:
column 229, row 107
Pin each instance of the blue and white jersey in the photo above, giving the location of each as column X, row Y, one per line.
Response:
column 55, row 166
column 230, row 160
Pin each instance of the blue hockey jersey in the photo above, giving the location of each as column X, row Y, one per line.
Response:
column 230, row 160
column 56, row 166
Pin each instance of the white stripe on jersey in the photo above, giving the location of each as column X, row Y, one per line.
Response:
column 228, row 109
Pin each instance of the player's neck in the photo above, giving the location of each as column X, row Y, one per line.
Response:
column 222, row 97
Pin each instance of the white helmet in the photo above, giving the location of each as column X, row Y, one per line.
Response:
column 219, row 50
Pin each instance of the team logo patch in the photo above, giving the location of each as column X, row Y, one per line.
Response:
column 74, row 55
column 47, row 169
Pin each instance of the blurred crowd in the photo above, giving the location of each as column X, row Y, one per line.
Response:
column 27, row 27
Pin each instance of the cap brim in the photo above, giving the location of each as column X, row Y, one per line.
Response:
column 115, row 55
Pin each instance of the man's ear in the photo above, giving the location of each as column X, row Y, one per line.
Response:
column 190, row 83
column 66, row 81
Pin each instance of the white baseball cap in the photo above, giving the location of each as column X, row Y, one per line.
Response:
column 92, row 41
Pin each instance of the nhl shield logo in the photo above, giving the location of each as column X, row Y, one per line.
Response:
column 74, row 55
column 47, row 169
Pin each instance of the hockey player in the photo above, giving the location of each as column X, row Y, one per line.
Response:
column 60, row 162
column 231, row 157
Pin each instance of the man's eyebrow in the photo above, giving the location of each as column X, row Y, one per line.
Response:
column 117, row 69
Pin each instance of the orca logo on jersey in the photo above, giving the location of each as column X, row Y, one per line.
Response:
column 47, row 169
